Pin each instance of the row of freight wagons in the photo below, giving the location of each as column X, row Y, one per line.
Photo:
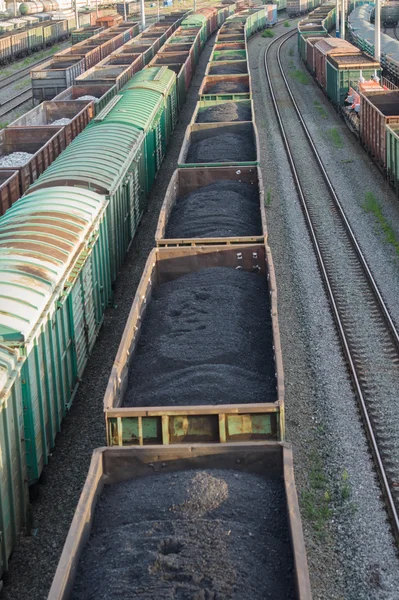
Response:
column 21, row 42
column 343, row 69
column 75, row 225
column 177, row 426
column 60, row 71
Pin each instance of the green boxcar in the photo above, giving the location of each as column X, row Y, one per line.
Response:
column 392, row 145
column 341, row 70
column 54, row 287
column 142, row 110
column 13, row 471
column 196, row 20
column 222, row 55
column 163, row 81
column 109, row 159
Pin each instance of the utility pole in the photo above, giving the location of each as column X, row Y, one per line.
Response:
column 377, row 30
column 76, row 14
column 343, row 15
column 337, row 18
column 195, row 5
column 157, row 10
column 124, row 10
column 142, row 12
column 97, row 9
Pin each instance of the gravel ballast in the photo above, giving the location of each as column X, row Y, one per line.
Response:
column 221, row 209
column 206, row 339
column 191, row 534
column 15, row 159
column 350, row 550
column 64, row 121
column 226, row 147
column 227, row 87
column 35, row 557
column 225, row 113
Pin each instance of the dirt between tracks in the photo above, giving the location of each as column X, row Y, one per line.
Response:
column 190, row 535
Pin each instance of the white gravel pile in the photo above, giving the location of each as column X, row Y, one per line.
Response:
column 16, row 159
column 63, row 121
column 87, row 98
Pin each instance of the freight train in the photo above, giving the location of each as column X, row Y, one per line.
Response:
column 357, row 84
column 39, row 32
column 75, row 225
column 209, row 253
column 389, row 14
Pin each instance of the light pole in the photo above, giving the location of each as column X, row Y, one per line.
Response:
column 142, row 12
column 124, row 10
column 343, row 19
column 377, row 30
column 337, row 18
column 157, row 10
column 76, row 14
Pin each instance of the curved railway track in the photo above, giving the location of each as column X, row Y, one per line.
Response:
column 369, row 337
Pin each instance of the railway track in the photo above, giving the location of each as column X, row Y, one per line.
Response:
column 369, row 337
column 20, row 74
column 14, row 102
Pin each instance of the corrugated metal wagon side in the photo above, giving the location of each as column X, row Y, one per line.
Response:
column 13, row 472
column 55, row 285
column 113, row 465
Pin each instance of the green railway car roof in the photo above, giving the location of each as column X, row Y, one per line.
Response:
column 195, row 19
column 134, row 108
column 158, row 79
column 97, row 158
column 42, row 236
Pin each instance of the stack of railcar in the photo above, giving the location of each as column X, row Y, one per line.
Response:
column 346, row 71
column 75, row 225
column 164, row 412
column 39, row 33
column 60, row 71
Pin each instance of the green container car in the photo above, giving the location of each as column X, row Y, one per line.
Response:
column 55, row 285
column 163, row 81
column 196, row 20
column 35, row 37
column 108, row 158
column 222, row 55
column 342, row 69
column 144, row 111
column 392, row 145
column 13, row 471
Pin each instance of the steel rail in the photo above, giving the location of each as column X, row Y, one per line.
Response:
column 15, row 101
column 351, row 360
column 24, row 72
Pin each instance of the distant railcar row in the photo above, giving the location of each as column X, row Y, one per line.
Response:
column 361, row 88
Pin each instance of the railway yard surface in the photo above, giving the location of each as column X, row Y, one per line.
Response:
column 349, row 538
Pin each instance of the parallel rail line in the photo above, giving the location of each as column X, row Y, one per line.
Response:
column 20, row 74
column 368, row 334
column 15, row 101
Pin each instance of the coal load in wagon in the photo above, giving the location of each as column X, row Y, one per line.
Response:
column 234, row 69
column 226, row 147
column 222, row 209
column 197, row 534
column 228, row 87
column 232, row 56
column 227, row 112
column 206, row 339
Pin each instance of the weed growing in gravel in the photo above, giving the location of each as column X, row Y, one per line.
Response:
column 268, row 33
column 23, row 84
column 301, row 77
column 268, row 200
column 316, row 499
column 371, row 205
column 287, row 24
column 335, row 137
column 291, row 52
column 4, row 124
column 348, row 161
column 346, row 488
column 320, row 109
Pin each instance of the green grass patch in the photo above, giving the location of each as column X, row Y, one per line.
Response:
column 4, row 124
column 320, row 109
column 291, row 52
column 268, row 33
column 316, row 499
column 268, row 199
column 287, row 24
column 334, row 136
column 301, row 77
column 371, row 205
